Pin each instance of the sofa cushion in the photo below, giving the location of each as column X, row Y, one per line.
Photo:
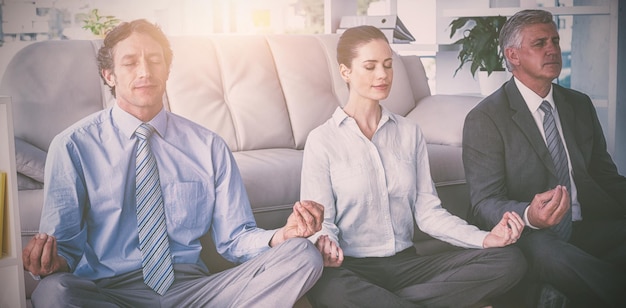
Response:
column 26, row 183
column 199, row 98
column 249, row 89
column 441, row 117
column 446, row 164
column 30, row 160
column 271, row 177
column 305, row 71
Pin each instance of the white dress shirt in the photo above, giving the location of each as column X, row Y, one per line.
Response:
column 373, row 191
column 533, row 101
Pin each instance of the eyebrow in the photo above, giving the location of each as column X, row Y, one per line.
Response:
column 545, row 38
column 375, row 61
column 136, row 55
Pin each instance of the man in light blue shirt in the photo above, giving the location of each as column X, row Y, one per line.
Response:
column 89, row 246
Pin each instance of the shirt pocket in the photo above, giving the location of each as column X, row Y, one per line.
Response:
column 401, row 173
column 186, row 204
column 352, row 180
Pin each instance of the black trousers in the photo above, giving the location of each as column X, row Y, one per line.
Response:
column 451, row 279
column 590, row 269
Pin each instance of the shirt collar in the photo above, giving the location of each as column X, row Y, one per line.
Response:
column 339, row 116
column 128, row 123
column 533, row 101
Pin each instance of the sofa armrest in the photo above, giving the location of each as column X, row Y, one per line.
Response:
column 30, row 160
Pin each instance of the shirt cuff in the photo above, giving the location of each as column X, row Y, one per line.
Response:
column 526, row 219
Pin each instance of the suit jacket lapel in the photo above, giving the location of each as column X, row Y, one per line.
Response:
column 523, row 118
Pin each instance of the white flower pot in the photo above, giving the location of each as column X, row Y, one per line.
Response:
column 490, row 83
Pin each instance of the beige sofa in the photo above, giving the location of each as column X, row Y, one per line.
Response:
column 262, row 94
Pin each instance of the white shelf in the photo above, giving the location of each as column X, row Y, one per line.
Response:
column 12, row 292
column 510, row 11
column 600, row 103
column 424, row 50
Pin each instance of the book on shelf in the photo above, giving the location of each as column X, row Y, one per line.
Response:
column 3, row 203
column 393, row 28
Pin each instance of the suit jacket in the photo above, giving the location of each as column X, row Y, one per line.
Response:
column 507, row 162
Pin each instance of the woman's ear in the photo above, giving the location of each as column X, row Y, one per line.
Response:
column 345, row 72
column 108, row 77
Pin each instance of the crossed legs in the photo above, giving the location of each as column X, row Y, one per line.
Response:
column 451, row 279
column 279, row 277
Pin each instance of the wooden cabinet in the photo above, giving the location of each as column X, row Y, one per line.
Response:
column 11, row 268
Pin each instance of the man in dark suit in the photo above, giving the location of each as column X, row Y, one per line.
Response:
column 537, row 149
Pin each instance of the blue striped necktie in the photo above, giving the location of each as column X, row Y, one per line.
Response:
column 158, row 272
column 559, row 157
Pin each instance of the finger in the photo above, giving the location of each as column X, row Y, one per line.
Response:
column 516, row 227
column 307, row 220
column 515, row 221
column 554, row 203
column 517, row 218
column 508, row 236
column 312, row 206
column 299, row 220
column 324, row 251
column 544, row 197
column 321, row 242
column 334, row 251
column 515, row 230
column 27, row 250
column 511, row 221
column 327, row 246
column 565, row 199
column 47, row 254
column 36, row 252
column 316, row 211
column 564, row 204
column 340, row 251
column 338, row 259
column 54, row 248
column 504, row 220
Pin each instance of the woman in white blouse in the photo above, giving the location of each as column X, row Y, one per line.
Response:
column 369, row 168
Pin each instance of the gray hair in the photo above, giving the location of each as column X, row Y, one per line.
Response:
column 510, row 35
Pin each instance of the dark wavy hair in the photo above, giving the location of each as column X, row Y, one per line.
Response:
column 123, row 31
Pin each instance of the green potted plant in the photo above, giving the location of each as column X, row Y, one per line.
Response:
column 98, row 24
column 480, row 48
column 479, row 44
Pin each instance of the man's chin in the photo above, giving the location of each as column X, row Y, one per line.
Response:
column 553, row 72
column 148, row 101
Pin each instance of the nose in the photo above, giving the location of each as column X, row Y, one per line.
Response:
column 381, row 72
column 553, row 47
column 143, row 69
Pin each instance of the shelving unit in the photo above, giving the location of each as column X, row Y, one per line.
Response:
column 11, row 269
column 562, row 10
